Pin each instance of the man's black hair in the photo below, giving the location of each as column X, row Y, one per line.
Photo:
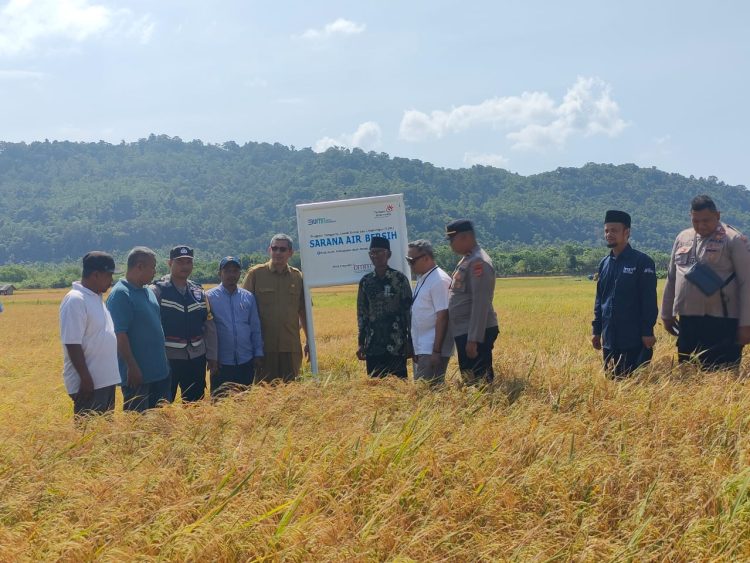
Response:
column 701, row 202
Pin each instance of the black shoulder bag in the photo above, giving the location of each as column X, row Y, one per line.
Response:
column 709, row 282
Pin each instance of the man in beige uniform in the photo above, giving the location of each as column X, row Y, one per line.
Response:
column 471, row 317
column 714, row 315
column 278, row 291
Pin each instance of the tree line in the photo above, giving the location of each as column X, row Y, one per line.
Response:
column 61, row 199
column 569, row 259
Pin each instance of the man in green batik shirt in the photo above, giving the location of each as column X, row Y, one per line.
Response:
column 383, row 315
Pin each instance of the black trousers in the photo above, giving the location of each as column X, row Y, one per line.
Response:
column 232, row 378
column 190, row 377
column 384, row 365
column 481, row 366
column 621, row 363
column 712, row 339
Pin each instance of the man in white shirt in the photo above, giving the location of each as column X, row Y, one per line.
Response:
column 88, row 336
column 433, row 346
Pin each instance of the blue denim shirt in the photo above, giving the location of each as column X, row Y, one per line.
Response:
column 237, row 325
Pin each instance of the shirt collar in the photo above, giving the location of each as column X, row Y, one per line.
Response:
column 130, row 286
column 82, row 288
column 269, row 265
column 625, row 251
column 225, row 290
column 473, row 250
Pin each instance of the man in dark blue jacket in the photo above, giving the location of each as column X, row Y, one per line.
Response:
column 625, row 309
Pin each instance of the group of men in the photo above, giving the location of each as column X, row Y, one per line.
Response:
column 153, row 338
column 396, row 324
column 706, row 301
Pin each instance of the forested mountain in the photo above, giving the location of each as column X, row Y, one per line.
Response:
column 60, row 199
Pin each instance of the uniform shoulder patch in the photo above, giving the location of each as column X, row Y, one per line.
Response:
column 477, row 268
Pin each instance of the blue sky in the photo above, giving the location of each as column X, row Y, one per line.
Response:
column 527, row 86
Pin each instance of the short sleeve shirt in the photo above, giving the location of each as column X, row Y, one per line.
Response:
column 430, row 297
column 84, row 320
column 135, row 312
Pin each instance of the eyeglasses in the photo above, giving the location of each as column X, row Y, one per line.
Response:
column 279, row 249
column 411, row 260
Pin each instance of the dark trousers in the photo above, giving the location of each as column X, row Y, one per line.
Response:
column 100, row 401
column 621, row 363
column 384, row 365
column 712, row 339
column 190, row 377
column 481, row 366
column 146, row 395
column 231, row 378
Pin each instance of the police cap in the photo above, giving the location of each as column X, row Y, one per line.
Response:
column 181, row 251
column 458, row 226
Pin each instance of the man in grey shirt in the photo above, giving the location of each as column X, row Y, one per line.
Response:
column 472, row 319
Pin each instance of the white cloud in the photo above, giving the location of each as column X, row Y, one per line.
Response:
column 533, row 119
column 368, row 136
column 339, row 27
column 24, row 24
column 485, row 159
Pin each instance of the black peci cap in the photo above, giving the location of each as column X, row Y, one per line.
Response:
column 380, row 242
column 614, row 216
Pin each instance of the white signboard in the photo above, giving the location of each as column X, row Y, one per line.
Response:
column 334, row 241
column 334, row 237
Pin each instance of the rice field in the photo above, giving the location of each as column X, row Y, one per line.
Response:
column 555, row 462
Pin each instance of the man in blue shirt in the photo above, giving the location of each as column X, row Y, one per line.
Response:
column 144, row 370
column 237, row 328
column 625, row 308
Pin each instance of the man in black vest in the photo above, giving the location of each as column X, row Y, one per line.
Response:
column 189, row 332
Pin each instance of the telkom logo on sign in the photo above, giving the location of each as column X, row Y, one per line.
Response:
column 320, row 221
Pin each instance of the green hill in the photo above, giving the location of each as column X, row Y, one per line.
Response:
column 60, row 199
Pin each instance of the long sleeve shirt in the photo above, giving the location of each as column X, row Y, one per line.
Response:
column 384, row 313
column 625, row 307
column 725, row 251
column 237, row 325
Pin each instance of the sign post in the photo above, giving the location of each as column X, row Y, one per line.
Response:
column 334, row 242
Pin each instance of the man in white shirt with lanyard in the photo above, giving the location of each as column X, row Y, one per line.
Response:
column 433, row 346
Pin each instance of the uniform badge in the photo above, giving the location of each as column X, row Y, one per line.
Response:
column 477, row 269
column 197, row 293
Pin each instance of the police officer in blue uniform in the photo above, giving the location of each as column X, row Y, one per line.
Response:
column 625, row 309
column 189, row 331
